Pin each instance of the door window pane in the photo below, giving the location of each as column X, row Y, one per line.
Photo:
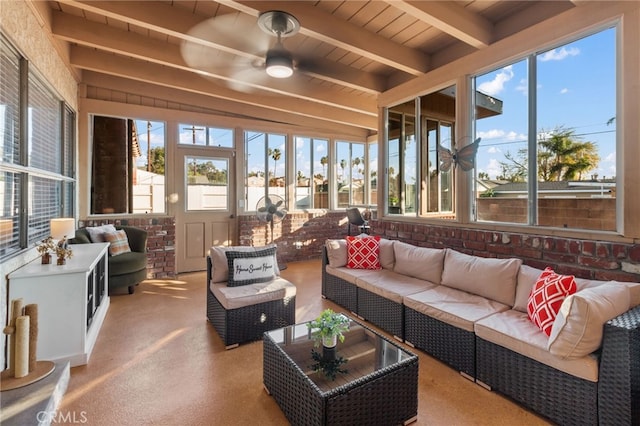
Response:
column 207, row 183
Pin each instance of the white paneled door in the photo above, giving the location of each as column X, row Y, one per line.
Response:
column 206, row 200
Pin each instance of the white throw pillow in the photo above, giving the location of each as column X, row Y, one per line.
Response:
column 527, row 277
column 96, row 233
column 488, row 277
column 387, row 257
column 578, row 327
column 418, row 262
column 337, row 252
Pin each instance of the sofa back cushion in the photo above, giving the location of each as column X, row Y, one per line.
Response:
column 488, row 277
column 337, row 253
column 219, row 265
column 527, row 277
column 578, row 327
column 418, row 262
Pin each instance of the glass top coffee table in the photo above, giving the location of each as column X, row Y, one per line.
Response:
column 380, row 385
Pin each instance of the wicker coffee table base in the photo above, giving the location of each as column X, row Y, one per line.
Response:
column 388, row 396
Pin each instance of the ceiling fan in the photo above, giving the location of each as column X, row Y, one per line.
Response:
column 278, row 61
column 250, row 59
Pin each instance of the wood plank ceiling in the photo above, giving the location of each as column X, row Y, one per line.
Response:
column 345, row 54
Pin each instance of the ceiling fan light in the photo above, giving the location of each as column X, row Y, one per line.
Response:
column 279, row 66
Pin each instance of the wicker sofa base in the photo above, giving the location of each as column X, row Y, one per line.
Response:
column 241, row 325
column 451, row 345
column 342, row 292
column 382, row 312
column 561, row 397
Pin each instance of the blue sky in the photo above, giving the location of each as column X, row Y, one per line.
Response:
column 575, row 89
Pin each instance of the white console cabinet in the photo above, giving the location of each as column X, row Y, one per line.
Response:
column 72, row 301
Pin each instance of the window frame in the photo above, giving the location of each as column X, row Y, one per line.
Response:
column 27, row 225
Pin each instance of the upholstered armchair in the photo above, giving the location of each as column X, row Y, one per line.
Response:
column 125, row 269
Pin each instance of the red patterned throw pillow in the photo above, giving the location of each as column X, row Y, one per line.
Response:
column 363, row 252
column 547, row 296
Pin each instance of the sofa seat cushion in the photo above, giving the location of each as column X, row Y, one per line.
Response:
column 488, row 277
column 252, row 294
column 350, row 275
column 127, row 263
column 392, row 286
column 513, row 330
column 454, row 307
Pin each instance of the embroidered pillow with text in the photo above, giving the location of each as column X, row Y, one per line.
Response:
column 247, row 267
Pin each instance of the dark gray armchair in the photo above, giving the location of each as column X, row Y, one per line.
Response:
column 126, row 269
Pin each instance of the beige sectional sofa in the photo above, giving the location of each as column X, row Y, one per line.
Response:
column 471, row 313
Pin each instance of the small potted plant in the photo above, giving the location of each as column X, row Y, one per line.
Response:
column 63, row 251
column 45, row 248
column 328, row 328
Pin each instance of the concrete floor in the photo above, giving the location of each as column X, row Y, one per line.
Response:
column 158, row 361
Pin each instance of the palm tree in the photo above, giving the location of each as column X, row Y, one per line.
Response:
column 562, row 157
column 356, row 162
column 324, row 161
column 343, row 165
column 275, row 154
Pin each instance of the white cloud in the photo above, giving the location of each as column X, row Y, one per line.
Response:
column 493, row 150
column 502, row 134
column 491, row 134
column 496, row 85
column 564, row 91
column 493, row 168
column 320, row 147
column 559, row 54
column 523, row 87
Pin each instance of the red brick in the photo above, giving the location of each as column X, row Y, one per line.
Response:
column 527, row 252
column 615, row 275
column 500, row 249
column 589, row 248
column 603, row 249
column 474, row 245
column 634, row 253
column 598, row 263
column 559, row 257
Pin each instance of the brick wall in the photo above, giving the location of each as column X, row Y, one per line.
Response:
column 299, row 236
column 161, row 236
column 600, row 260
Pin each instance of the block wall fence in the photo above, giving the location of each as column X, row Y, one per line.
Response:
column 300, row 236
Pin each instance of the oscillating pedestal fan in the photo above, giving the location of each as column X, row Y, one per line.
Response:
column 270, row 210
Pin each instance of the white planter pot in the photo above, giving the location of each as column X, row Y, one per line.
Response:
column 330, row 341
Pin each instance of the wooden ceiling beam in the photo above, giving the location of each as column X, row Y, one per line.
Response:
column 90, row 59
column 179, row 23
column 451, row 18
column 104, row 37
column 123, row 85
column 327, row 28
